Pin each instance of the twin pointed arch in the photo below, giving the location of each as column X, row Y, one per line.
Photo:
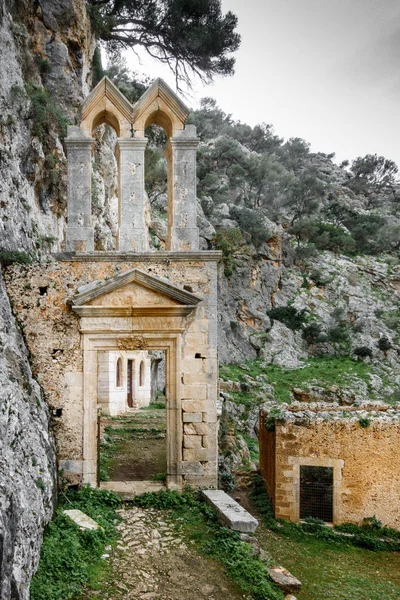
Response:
column 159, row 104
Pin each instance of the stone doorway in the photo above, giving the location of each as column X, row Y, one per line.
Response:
column 132, row 436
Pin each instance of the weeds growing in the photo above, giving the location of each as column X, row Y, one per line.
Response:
column 71, row 557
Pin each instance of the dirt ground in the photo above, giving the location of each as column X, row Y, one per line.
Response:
column 140, row 445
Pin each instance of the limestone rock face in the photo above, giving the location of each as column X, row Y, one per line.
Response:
column 42, row 60
column 45, row 51
column 27, row 461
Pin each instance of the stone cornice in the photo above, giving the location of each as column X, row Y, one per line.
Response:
column 145, row 257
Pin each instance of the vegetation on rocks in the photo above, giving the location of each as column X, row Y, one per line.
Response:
column 322, row 372
column 70, row 556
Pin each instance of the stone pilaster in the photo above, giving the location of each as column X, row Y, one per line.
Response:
column 181, row 153
column 79, row 234
column 133, row 234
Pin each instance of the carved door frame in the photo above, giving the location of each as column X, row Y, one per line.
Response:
column 94, row 342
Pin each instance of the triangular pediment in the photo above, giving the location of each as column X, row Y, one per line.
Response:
column 135, row 289
column 160, row 105
column 105, row 91
column 160, row 90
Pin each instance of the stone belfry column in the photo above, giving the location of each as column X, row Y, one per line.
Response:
column 181, row 154
column 133, row 233
column 79, row 234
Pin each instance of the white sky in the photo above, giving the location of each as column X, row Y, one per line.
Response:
column 324, row 70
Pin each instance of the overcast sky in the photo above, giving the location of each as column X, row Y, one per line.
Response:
column 324, row 70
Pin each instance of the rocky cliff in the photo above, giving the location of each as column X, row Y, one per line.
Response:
column 45, row 51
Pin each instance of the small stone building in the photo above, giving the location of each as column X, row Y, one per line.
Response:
column 124, row 381
column 87, row 312
column 337, row 463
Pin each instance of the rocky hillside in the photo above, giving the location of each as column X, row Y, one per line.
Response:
column 310, row 249
column 45, row 52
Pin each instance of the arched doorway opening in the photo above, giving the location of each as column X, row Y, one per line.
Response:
column 105, row 188
column 156, row 186
column 133, row 423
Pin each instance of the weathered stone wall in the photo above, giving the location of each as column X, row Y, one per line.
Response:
column 41, row 296
column 27, row 461
column 365, row 462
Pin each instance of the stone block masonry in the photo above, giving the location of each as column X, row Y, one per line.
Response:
column 360, row 445
column 65, row 341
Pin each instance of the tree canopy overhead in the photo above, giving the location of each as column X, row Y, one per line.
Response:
column 190, row 36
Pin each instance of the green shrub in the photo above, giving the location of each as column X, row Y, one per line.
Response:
column 228, row 241
column 384, row 344
column 290, row 316
column 319, row 278
column 364, row 422
column 314, row 334
column 338, row 334
column 45, row 113
column 250, row 221
column 10, row 257
column 363, row 352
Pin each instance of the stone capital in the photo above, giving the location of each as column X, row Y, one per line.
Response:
column 131, row 144
column 184, row 143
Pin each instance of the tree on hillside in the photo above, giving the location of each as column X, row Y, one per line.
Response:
column 190, row 36
column 305, row 196
column 373, row 175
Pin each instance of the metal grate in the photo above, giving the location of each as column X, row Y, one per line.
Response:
column 316, row 492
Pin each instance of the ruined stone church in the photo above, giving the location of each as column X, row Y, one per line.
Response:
column 95, row 311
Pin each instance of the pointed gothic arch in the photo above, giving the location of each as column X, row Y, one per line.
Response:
column 106, row 104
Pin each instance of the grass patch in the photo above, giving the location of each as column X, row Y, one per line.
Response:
column 324, row 372
column 253, row 447
column 108, row 451
column 154, row 406
column 71, row 557
column 132, row 432
column 198, row 522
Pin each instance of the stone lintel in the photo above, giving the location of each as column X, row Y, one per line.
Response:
column 81, row 519
column 145, row 257
column 230, row 512
column 133, row 311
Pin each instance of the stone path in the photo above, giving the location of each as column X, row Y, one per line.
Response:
column 153, row 562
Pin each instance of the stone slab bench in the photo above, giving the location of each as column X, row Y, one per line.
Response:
column 230, row 513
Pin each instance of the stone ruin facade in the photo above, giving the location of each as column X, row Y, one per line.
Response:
column 331, row 461
column 84, row 309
